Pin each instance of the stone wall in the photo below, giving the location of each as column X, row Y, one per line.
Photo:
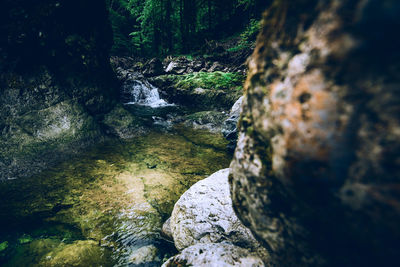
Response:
column 55, row 80
column 315, row 174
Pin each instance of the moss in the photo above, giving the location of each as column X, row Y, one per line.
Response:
column 202, row 90
column 25, row 239
column 3, row 246
column 211, row 80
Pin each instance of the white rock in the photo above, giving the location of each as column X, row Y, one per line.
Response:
column 204, row 214
column 215, row 255
column 237, row 107
column 171, row 66
column 166, row 229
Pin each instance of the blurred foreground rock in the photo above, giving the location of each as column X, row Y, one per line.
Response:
column 315, row 174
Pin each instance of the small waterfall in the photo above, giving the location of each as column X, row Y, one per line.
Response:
column 142, row 93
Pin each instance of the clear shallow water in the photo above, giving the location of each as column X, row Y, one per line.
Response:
column 103, row 206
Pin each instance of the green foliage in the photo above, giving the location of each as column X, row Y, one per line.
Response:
column 160, row 27
column 251, row 31
column 214, row 80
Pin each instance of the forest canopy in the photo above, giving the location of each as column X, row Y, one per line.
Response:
column 162, row 27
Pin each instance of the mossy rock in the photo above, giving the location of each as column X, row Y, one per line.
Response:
column 211, row 80
column 79, row 253
column 202, row 90
column 122, row 123
column 32, row 140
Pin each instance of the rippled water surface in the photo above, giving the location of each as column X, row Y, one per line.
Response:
column 106, row 206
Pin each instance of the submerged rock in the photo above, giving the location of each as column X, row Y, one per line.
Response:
column 122, row 123
column 208, row 120
column 79, row 253
column 144, row 255
column 204, row 214
column 215, row 255
column 316, row 172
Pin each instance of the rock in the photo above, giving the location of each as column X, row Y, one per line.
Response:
column 30, row 141
column 122, row 62
column 144, row 255
column 153, row 67
column 208, row 120
column 202, row 136
column 204, row 214
column 201, row 91
column 79, row 253
column 214, row 255
column 122, row 123
column 216, row 66
column 315, row 173
column 229, row 128
column 33, row 83
column 177, row 67
column 166, row 230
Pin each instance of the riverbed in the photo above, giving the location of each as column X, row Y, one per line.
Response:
column 106, row 206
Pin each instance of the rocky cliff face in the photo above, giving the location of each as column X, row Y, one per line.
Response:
column 316, row 170
column 55, row 80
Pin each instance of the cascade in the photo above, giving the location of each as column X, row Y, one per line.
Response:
column 142, row 93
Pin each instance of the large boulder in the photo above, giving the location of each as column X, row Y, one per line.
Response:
column 55, row 80
column 204, row 214
column 316, row 170
column 215, row 255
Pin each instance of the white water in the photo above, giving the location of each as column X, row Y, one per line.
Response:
column 143, row 93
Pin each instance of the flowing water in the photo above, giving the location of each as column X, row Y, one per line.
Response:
column 106, row 206
column 141, row 92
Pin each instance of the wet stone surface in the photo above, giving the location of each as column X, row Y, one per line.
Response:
column 106, row 206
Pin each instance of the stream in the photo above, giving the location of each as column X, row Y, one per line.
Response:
column 106, row 206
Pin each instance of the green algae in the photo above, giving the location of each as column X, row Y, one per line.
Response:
column 106, row 203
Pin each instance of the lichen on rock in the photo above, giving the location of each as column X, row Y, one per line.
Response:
column 314, row 173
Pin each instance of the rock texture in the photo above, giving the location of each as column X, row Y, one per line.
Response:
column 166, row 230
column 214, row 255
column 229, row 128
column 316, row 169
column 143, row 255
column 204, row 214
column 55, row 80
column 208, row 120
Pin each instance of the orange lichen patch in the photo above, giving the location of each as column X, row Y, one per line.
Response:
column 306, row 111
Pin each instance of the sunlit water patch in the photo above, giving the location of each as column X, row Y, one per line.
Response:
column 106, row 206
